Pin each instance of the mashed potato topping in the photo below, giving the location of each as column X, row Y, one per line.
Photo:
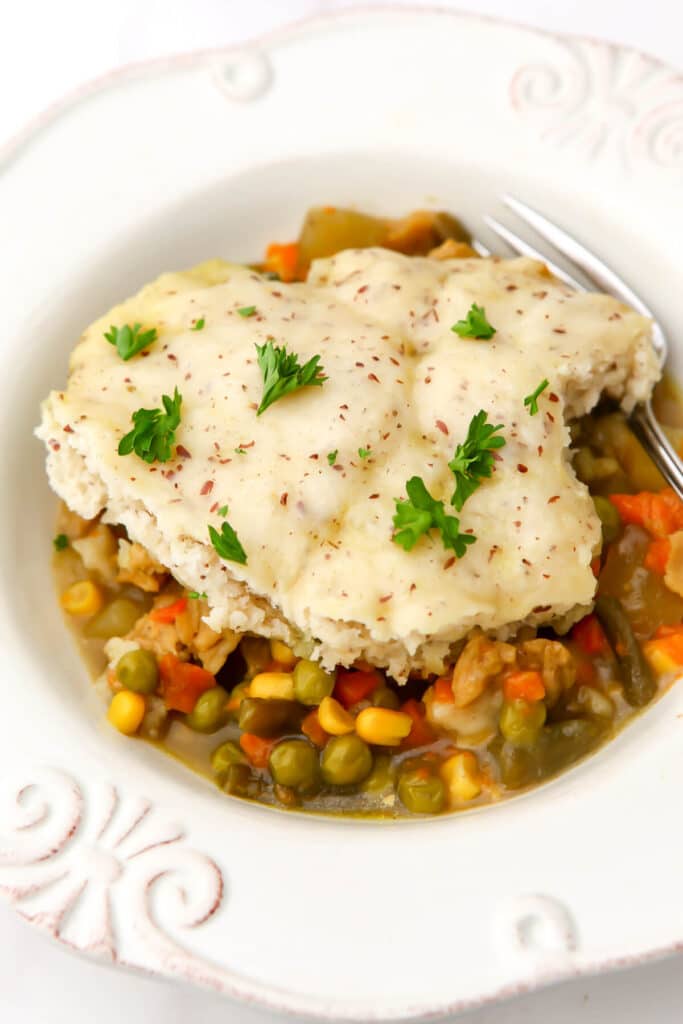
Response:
column 322, row 571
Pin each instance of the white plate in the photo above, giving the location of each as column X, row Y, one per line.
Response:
column 122, row 853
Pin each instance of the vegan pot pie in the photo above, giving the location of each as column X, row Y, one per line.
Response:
column 333, row 525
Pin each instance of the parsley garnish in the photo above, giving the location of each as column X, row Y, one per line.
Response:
column 61, row 541
column 153, row 431
column 195, row 595
column 227, row 545
column 240, row 451
column 332, row 456
column 363, row 453
column 473, row 460
column 422, row 513
column 130, row 340
column 475, row 325
column 247, row 311
column 532, row 399
column 223, row 511
column 282, row 373
column 199, row 326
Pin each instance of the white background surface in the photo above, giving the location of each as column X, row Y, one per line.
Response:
column 48, row 47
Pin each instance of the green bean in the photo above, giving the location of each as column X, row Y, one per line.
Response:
column 311, row 682
column 209, row 713
column 227, row 754
column 635, row 675
column 115, row 619
column 138, row 671
column 381, row 778
column 294, row 764
column 566, row 742
column 269, row 718
column 421, row 792
column 346, row 760
column 609, row 518
column 238, row 780
column 518, row 766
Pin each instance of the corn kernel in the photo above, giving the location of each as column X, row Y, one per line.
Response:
column 272, row 685
column 334, row 718
column 126, row 711
column 461, row 775
column 82, row 598
column 382, row 726
column 282, row 654
column 660, row 660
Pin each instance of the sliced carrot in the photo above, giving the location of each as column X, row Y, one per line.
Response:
column 256, row 748
column 589, row 635
column 169, row 612
column 312, row 728
column 421, row 732
column 352, row 686
column 183, row 683
column 525, row 685
column 283, row 260
column 657, row 555
column 596, row 565
column 660, row 513
column 443, row 690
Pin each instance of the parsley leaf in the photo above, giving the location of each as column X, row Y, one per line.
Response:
column 247, row 311
column 195, row 595
column 153, row 431
column 61, row 541
column 475, row 325
column 199, row 326
column 283, row 374
column 363, row 453
column 332, row 456
column 473, row 460
column 532, row 399
column 422, row 513
column 223, row 511
column 130, row 340
column 227, row 545
column 240, row 451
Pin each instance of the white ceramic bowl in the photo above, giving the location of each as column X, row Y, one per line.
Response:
column 122, row 853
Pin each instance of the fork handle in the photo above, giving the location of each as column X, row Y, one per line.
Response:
column 657, row 446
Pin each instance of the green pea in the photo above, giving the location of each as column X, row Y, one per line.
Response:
column 294, row 763
column 346, row 760
column 383, row 697
column 209, row 712
column 138, row 671
column 269, row 718
column 227, row 754
column 609, row 517
column 381, row 778
column 311, row 682
column 420, row 792
column 116, row 619
column 521, row 722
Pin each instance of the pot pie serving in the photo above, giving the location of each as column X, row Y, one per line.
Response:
column 333, row 526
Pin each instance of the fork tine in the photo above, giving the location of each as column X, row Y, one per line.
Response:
column 593, row 267
column 522, row 247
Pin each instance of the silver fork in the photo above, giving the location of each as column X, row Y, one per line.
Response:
column 642, row 419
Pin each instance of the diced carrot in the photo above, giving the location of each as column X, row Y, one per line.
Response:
column 443, row 690
column 665, row 654
column 312, row 728
column 596, row 565
column 657, row 555
column 660, row 513
column 526, row 685
column 589, row 635
column 169, row 612
column 256, row 748
column 421, row 732
column 183, row 683
column 352, row 686
column 668, row 631
column 283, row 260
